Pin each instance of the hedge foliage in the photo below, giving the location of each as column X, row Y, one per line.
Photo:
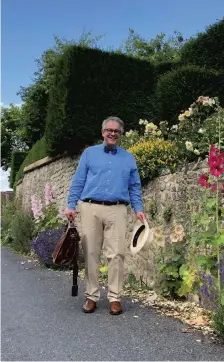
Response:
column 17, row 158
column 178, row 88
column 89, row 86
column 153, row 156
column 207, row 49
column 37, row 152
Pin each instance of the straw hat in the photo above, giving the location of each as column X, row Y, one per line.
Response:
column 142, row 236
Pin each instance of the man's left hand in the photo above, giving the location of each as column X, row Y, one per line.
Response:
column 140, row 216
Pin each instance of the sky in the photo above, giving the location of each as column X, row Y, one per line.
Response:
column 29, row 26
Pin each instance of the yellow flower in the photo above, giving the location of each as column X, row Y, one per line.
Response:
column 187, row 113
column 160, row 241
column 196, row 152
column 189, row 145
column 158, row 236
column 174, row 238
column 178, row 229
column 104, row 269
column 157, row 232
column 181, row 117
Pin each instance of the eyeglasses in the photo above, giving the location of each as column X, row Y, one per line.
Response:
column 110, row 130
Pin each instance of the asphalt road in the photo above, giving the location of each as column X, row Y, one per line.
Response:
column 42, row 322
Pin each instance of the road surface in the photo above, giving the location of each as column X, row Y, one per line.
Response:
column 42, row 322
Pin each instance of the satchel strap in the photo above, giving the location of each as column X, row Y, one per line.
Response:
column 71, row 225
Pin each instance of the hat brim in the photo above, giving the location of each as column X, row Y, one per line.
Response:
column 142, row 243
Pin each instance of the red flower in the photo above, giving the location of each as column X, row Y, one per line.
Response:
column 214, row 187
column 216, row 161
column 222, row 187
column 214, row 150
column 221, row 158
column 203, row 181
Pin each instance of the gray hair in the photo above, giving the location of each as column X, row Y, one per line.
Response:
column 114, row 119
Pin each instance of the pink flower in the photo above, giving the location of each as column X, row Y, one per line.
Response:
column 48, row 194
column 203, row 181
column 222, row 187
column 214, row 187
column 36, row 207
column 216, row 161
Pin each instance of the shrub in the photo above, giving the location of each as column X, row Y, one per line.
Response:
column 178, row 88
column 200, row 124
column 164, row 67
column 168, row 266
column 90, row 85
column 130, row 139
column 8, row 212
column 218, row 322
column 207, row 48
column 20, row 230
column 17, row 158
column 153, row 156
column 37, row 152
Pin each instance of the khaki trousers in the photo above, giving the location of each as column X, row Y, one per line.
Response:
column 103, row 226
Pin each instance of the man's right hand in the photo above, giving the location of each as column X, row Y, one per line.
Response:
column 70, row 214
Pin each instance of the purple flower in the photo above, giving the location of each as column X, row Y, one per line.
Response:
column 45, row 243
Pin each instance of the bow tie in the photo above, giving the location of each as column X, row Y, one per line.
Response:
column 110, row 149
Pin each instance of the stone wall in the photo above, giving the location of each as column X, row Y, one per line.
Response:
column 168, row 192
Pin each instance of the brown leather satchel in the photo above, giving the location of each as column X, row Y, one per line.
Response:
column 66, row 252
column 66, row 248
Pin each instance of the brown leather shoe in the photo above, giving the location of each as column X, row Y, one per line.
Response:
column 89, row 306
column 115, row 308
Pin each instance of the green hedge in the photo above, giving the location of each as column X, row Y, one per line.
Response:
column 17, row 157
column 207, row 49
column 37, row 152
column 89, row 86
column 177, row 89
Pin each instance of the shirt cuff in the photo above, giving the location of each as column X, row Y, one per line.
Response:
column 138, row 208
column 72, row 205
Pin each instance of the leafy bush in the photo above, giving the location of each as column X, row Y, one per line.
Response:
column 37, row 152
column 7, row 216
column 218, row 322
column 207, row 48
column 130, row 139
column 178, row 88
column 169, row 263
column 45, row 242
column 90, row 85
column 197, row 127
column 153, row 156
column 17, row 227
column 17, row 158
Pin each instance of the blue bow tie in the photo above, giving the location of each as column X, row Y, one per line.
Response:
column 110, row 149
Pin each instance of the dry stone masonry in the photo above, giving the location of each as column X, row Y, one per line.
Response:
column 166, row 195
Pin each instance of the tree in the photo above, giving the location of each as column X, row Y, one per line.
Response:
column 158, row 49
column 11, row 121
column 35, row 98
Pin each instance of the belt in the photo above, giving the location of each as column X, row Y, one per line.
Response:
column 107, row 203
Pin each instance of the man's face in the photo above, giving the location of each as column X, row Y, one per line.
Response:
column 111, row 133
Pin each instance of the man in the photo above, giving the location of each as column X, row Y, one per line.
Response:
column 106, row 181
